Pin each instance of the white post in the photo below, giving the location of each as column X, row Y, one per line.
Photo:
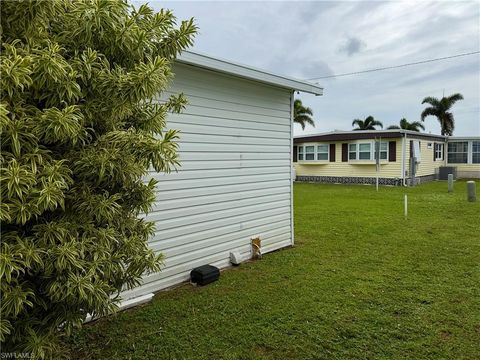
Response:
column 450, row 183
column 471, row 191
column 377, row 159
column 406, row 205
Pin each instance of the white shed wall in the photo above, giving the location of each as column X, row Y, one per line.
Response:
column 235, row 176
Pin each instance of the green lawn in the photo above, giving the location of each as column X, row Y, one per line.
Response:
column 361, row 282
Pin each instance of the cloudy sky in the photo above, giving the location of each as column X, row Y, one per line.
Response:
column 314, row 39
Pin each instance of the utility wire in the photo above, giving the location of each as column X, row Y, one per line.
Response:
column 396, row 66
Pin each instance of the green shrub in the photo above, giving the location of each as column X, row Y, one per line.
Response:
column 78, row 136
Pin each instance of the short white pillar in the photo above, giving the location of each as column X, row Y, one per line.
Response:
column 471, row 191
column 450, row 183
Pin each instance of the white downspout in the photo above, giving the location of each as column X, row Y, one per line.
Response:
column 445, row 149
column 292, row 101
column 404, row 150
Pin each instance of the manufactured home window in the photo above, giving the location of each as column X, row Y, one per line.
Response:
column 458, row 152
column 309, row 152
column 300, row 153
column 476, row 152
column 322, row 152
column 365, row 151
column 313, row 152
column 352, row 151
column 383, row 151
column 438, row 151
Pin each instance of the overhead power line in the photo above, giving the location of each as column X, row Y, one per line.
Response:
column 395, row 66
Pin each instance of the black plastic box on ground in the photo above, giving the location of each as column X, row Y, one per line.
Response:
column 204, row 275
column 443, row 172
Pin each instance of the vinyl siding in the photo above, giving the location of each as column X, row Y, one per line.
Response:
column 467, row 171
column 234, row 181
column 427, row 165
column 350, row 168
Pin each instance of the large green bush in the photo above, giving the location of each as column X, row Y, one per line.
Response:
column 78, row 135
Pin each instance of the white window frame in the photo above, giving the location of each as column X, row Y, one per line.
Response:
column 468, row 152
column 382, row 151
column 354, row 152
column 438, row 149
column 323, row 152
column 357, row 151
column 369, row 152
column 302, row 152
column 314, row 153
column 476, row 152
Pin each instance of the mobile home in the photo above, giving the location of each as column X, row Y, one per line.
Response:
column 405, row 157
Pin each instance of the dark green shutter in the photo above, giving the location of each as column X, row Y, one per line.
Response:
column 392, row 151
column 344, row 152
column 332, row 152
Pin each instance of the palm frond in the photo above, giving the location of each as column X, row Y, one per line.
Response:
column 415, row 125
column 306, row 110
column 301, row 114
column 429, row 111
column 303, row 120
column 376, row 123
column 431, row 100
column 357, row 122
column 452, row 99
column 368, row 124
column 393, row 127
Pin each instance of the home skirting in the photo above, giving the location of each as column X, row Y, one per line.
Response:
column 362, row 180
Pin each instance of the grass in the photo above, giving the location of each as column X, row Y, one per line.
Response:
column 361, row 282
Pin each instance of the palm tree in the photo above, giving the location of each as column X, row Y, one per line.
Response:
column 405, row 125
column 301, row 114
column 439, row 109
column 368, row 124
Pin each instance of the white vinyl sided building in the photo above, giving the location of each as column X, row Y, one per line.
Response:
column 235, row 178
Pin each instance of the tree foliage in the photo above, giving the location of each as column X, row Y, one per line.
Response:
column 79, row 131
column 368, row 124
column 440, row 109
column 302, row 114
column 406, row 125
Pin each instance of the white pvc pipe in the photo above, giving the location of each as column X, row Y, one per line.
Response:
column 404, row 150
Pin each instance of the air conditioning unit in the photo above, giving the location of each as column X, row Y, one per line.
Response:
column 443, row 172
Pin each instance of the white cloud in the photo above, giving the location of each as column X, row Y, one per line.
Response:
column 303, row 38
